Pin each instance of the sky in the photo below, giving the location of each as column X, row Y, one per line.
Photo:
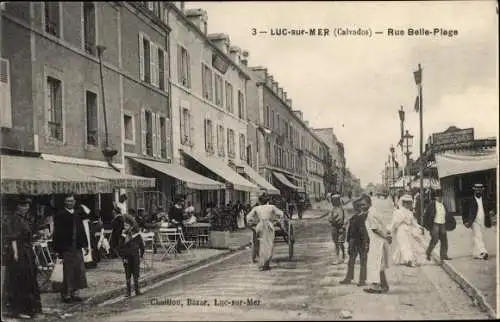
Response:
column 356, row 84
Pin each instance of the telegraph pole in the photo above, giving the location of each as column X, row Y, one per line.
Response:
column 418, row 81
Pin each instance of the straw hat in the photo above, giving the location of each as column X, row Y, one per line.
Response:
column 478, row 186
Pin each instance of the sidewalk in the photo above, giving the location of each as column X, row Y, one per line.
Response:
column 476, row 277
column 107, row 281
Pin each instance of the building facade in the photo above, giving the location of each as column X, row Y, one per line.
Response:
column 336, row 151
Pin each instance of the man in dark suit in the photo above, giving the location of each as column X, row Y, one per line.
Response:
column 435, row 219
column 69, row 239
column 477, row 219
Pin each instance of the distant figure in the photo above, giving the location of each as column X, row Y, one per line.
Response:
column 477, row 219
column 262, row 219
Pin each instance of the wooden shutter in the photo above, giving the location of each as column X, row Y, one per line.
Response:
column 168, row 136
column 141, row 56
column 206, row 134
column 154, row 65
column 179, row 64
column 143, row 130
column 154, row 118
column 188, row 69
column 5, row 97
column 191, row 129
column 182, row 123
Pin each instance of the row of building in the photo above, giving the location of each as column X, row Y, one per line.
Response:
column 104, row 98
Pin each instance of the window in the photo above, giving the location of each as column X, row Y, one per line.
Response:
column 230, row 143
column 163, row 137
column 242, row 147
column 89, row 34
column 272, row 120
column 92, row 128
column 268, row 152
column 209, row 145
column 241, row 105
column 266, row 116
column 149, row 133
column 278, row 124
column 218, row 91
column 129, row 128
column 55, row 124
column 206, row 82
column 220, row 140
column 249, row 155
column 229, row 98
column 161, row 68
column 52, row 18
column 183, row 67
column 186, row 127
column 5, row 98
column 145, row 58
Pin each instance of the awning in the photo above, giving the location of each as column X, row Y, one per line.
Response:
column 450, row 164
column 403, row 181
column 259, row 180
column 284, row 180
column 432, row 183
column 221, row 169
column 115, row 178
column 35, row 176
column 192, row 179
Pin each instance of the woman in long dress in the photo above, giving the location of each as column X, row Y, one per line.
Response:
column 401, row 226
column 378, row 254
column 262, row 219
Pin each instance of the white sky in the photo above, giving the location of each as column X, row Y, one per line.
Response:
column 357, row 84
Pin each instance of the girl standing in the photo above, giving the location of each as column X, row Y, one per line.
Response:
column 338, row 223
column 131, row 250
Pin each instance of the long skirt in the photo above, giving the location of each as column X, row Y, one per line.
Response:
column 403, row 252
column 241, row 220
column 266, row 243
column 378, row 257
column 74, row 277
column 21, row 287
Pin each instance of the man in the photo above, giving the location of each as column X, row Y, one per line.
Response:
column 477, row 219
column 262, row 219
column 435, row 219
column 69, row 238
column 359, row 242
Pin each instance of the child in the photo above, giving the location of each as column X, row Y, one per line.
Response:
column 131, row 250
column 337, row 220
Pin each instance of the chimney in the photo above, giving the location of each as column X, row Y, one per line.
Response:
column 289, row 102
column 298, row 113
column 244, row 59
column 275, row 87
column 259, row 72
column 270, row 81
column 280, row 92
column 198, row 17
column 284, row 96
column 306, row 123
column 235, row 52
column 221, row 41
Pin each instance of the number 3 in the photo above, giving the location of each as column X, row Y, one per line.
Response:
column 254, row 31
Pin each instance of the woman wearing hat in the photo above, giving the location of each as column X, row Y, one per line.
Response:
column 477, row 220
column 21, row 286
column 401, row 226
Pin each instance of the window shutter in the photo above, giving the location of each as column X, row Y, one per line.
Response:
column 203, row 81
column 182, row 124
column 154, row 118
column 228, row 142
column 188, row 70
column 206, row 135
column 166, row 63
column 180, row 76
column 141, row 56
column 154, row 64
column 168, row 136
column 191, row 129
column 5, row 97
column 143, row 130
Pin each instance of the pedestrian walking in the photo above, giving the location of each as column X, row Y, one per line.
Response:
column 401, row 228
column 359, row 244
column 262, row 219
column 131, row 250
column 436, row 216
column 69, row 239
column 379, row 253
column 22, row 293
column 338, row 223
column 477, row 219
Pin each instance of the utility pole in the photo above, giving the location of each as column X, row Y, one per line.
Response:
column 418, row 81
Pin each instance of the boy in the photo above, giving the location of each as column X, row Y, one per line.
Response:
column 337, row 220
column 131, row 250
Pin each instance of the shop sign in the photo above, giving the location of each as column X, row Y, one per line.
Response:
column 453, row 140
column 219, row 63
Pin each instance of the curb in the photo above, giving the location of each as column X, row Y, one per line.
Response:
column 149, row 280
column 476, row 295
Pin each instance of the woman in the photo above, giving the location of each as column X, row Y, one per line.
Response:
column 262, row 219
column 21, row 286
column 401, row 227
column 378, row 255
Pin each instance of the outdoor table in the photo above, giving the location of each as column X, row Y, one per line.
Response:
column 199, row 233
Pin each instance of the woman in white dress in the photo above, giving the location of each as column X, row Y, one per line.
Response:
column 378, row 254
column 401, row 226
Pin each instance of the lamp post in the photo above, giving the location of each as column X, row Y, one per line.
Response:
column 393, row 168
column 408, row 142
column 401, row 113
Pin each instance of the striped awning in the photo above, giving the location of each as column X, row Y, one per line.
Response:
column 259, row 180
column 115, row 178
column 192, row 179
column 450, row 164
column 284, row 180
column 220, row 168
column 35, row 176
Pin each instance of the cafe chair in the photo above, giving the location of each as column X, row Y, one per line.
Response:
column 167, row 241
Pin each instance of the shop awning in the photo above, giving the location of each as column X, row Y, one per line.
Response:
column 35, row 176
column 284, row 180
column 450, row 164
column 115, row 178
column 432, row 183
column 221, row 169
column 192, row 179
column 260, row 181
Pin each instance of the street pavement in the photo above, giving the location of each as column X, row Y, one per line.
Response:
column 305, row 288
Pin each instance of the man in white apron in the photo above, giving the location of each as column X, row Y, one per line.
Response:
column 477, row 220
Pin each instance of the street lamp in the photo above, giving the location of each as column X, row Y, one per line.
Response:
column 408, row 142
column 393, row 167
